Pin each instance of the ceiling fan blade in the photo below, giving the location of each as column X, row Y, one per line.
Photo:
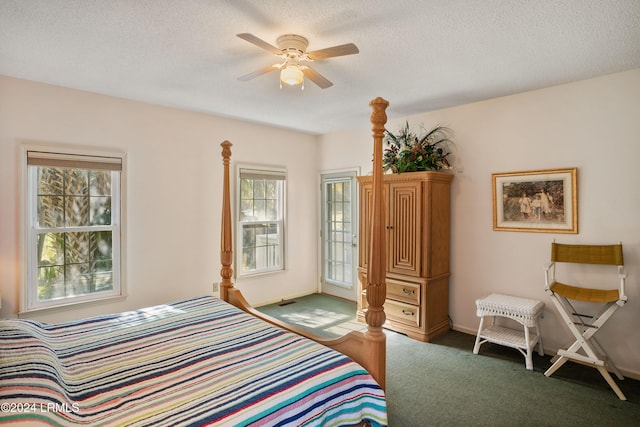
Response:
column 259, row 72
column 316, row 77
column 260, row 43
column 330, row 52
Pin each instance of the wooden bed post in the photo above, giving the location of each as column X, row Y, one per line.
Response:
column 376, row 273
column 367, row 348
column 226, row 243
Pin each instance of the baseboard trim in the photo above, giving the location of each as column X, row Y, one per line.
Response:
column 632, row 374
column 287, row 298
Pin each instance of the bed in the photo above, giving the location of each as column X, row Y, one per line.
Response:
column 194, row 362
column 200, row 361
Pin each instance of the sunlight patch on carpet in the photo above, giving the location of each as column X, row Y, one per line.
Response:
column 315, row 318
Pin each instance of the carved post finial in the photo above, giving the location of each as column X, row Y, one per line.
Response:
column 378, row 116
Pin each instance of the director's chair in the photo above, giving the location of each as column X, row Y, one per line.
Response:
column 586, row 349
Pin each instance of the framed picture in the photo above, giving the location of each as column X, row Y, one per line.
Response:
column 544, row 201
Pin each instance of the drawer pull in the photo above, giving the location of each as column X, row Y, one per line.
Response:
column 407, row 312
column 408, row 291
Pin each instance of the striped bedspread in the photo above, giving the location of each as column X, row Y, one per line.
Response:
column 194, row 362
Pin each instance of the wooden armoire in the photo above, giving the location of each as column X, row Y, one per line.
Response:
column 418, row 228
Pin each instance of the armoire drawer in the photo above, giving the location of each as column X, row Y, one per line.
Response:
column 396, row 311
column 401, row 312
column 403, row 291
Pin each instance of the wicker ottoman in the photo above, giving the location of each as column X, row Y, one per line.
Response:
column 524, row 311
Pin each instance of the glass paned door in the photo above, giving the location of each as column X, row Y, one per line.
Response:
column 339, row 234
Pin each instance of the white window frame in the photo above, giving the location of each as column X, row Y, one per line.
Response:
column 89, row 157
column 265, row 171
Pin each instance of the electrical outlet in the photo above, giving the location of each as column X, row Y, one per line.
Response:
column 215, row 287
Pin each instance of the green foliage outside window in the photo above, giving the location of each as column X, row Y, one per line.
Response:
column 261, row 222
column 78, row 261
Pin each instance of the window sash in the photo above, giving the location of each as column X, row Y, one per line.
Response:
column 255, row 257
column 264, row 251
column 91, row 269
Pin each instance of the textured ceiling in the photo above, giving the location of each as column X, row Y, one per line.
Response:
column 421, row 55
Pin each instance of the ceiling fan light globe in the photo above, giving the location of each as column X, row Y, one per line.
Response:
column 291, row 75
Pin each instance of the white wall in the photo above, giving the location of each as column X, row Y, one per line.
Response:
column 174, row 155
column 173, row 191
column 593, row 125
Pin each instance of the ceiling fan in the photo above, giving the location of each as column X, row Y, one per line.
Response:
column 292, row 49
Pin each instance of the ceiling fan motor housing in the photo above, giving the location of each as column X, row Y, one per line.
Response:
column 292, row 44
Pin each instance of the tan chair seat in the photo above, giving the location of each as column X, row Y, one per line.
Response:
column 585, row 294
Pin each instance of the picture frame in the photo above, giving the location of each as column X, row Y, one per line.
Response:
column 542, row 201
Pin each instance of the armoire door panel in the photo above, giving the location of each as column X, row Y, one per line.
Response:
column 364, row 226
column 437, row 231
column 405, row 214
column 366, row 203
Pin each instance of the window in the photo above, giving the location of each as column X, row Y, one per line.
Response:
column 261, row 221
column 73, row 228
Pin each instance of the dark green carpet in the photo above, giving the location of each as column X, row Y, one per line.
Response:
column 444, row 384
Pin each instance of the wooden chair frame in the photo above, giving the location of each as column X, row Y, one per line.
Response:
column 366, row 348
column 586, row 349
